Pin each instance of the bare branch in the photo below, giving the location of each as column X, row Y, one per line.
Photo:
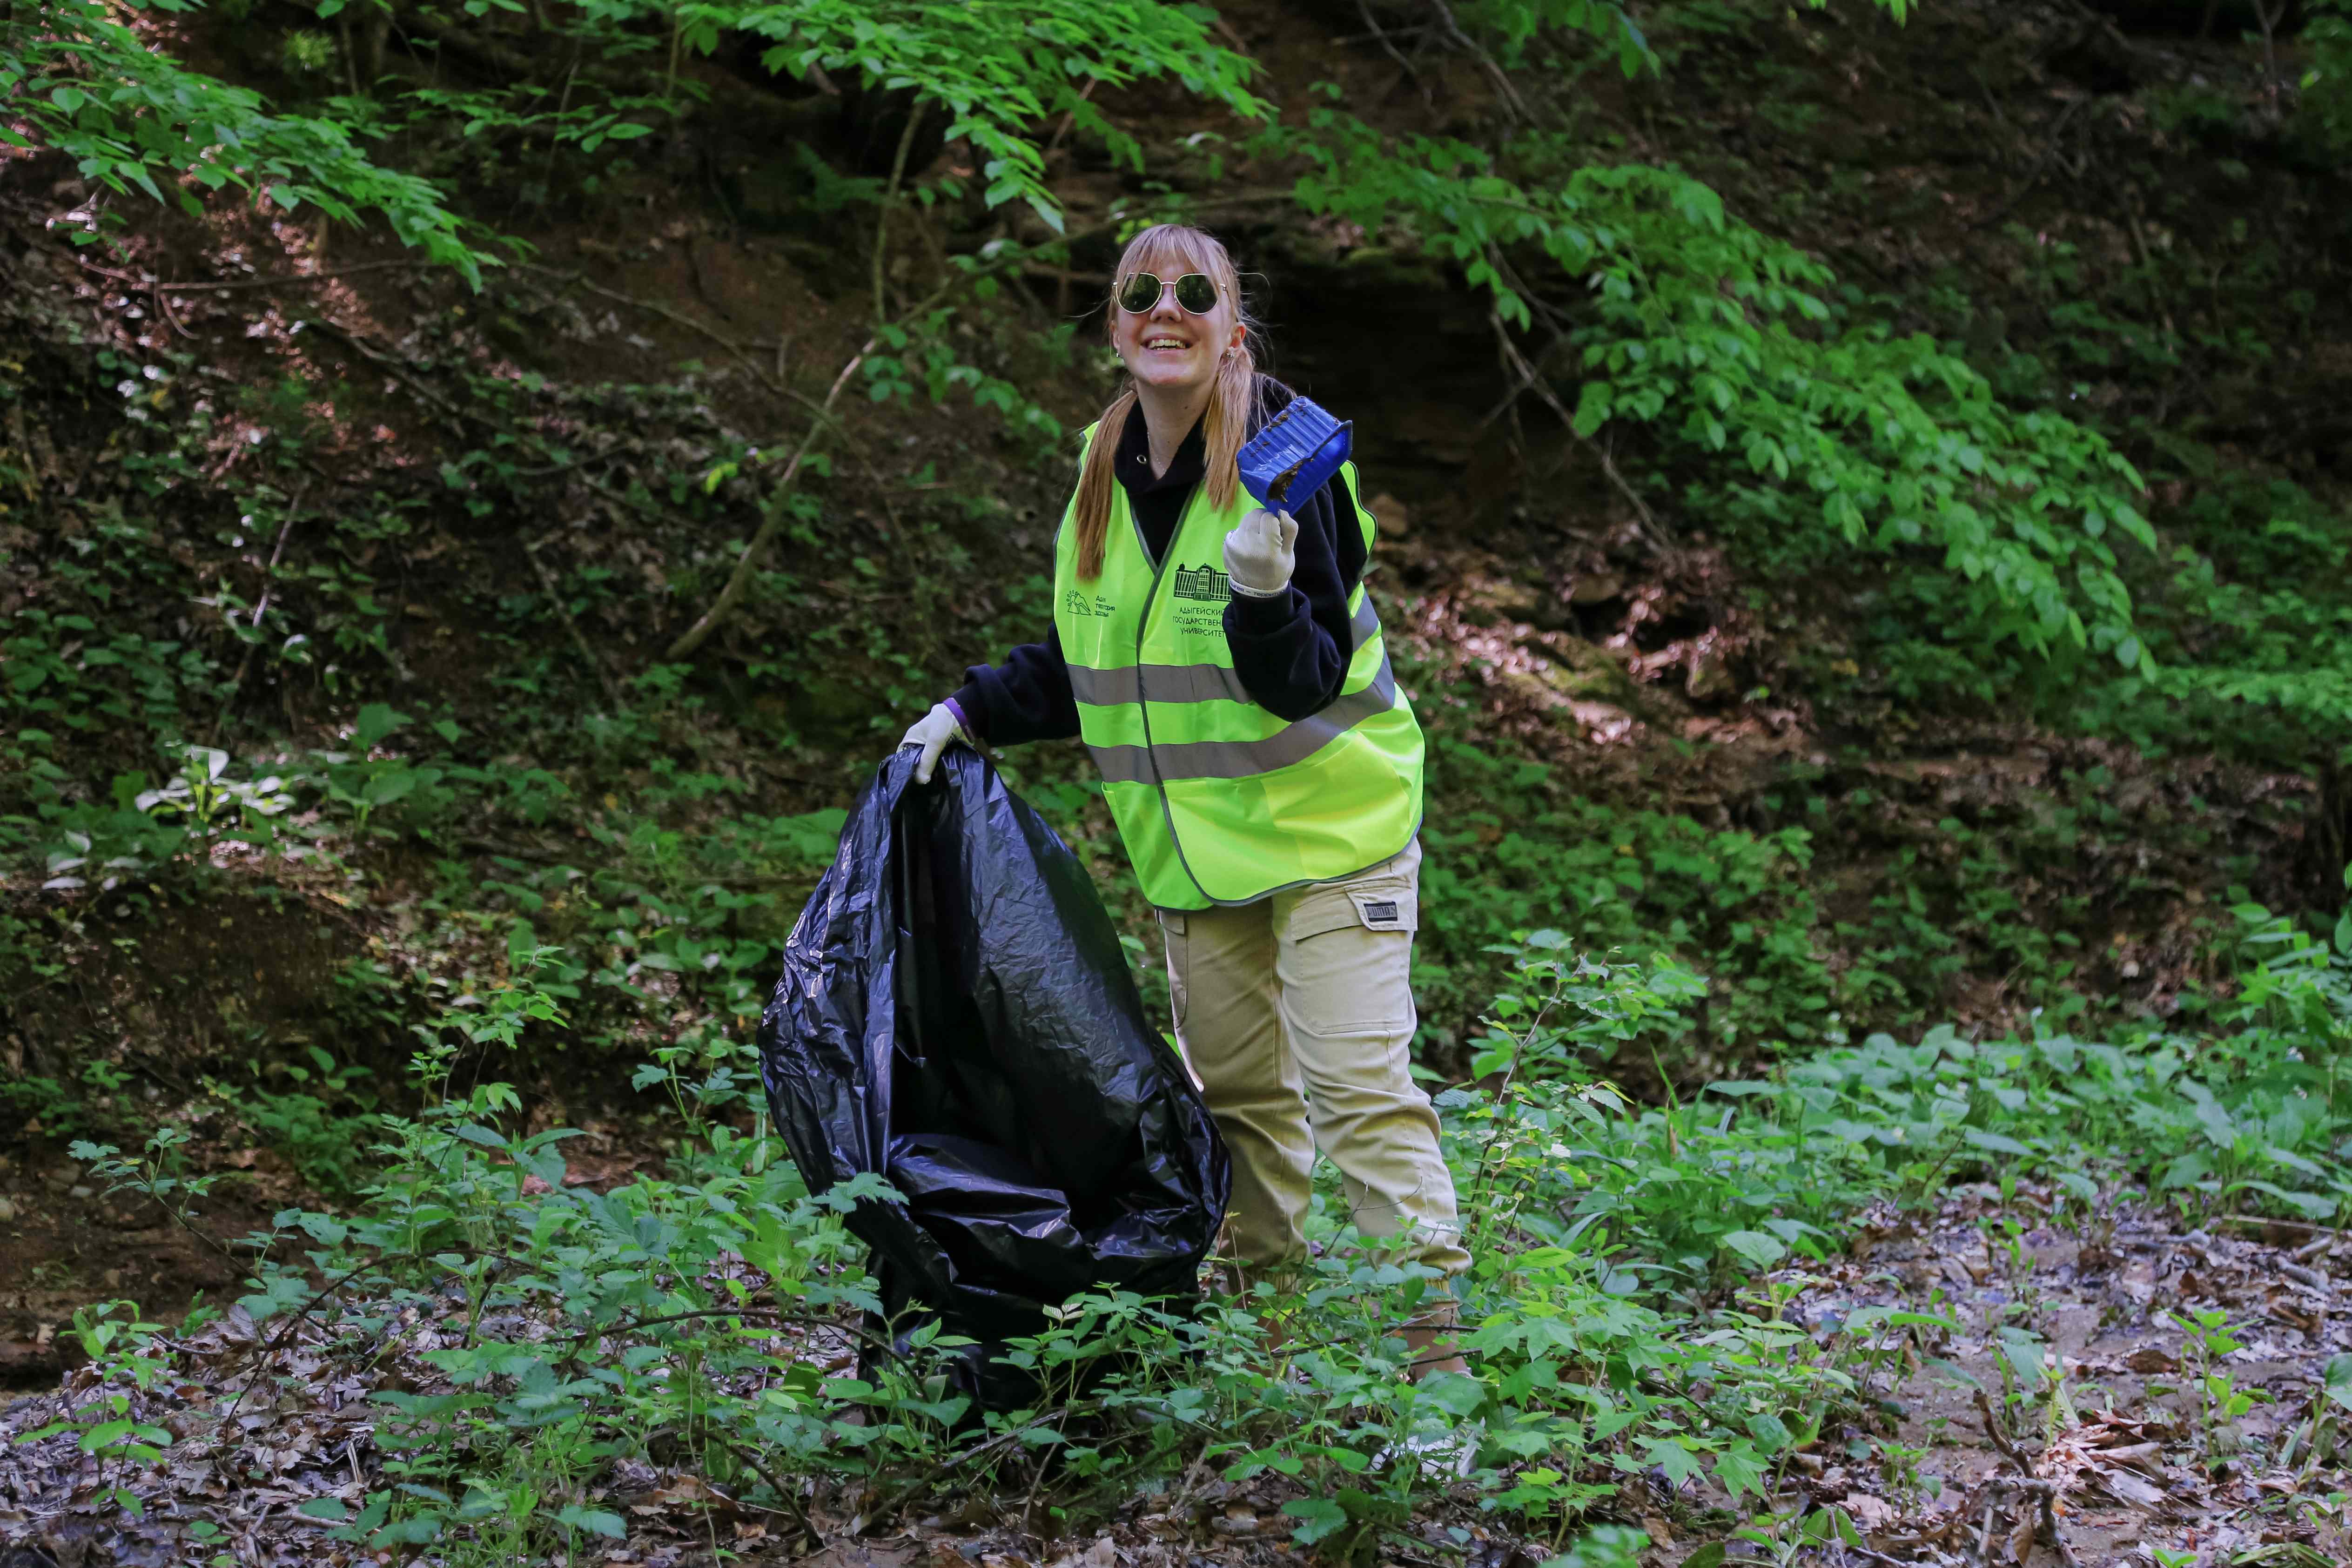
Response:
column 889, row 204
column 1453, row 29
column 1364, row 9
column 738, row 582
column 1529, row 379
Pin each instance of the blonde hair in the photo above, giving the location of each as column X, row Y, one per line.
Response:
column 1231, row 397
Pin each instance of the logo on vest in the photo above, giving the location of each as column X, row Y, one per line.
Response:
column 1077, row 604
column 1205, row 583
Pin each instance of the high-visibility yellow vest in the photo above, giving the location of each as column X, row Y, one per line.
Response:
column 1217, row 800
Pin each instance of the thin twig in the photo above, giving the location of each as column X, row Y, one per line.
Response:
column 739, row 350
column 1660, row 537
column 889, row 204
column 400, row 371
column 2000, row 1439
column 1364, row 9
column 738, row 582
column 292, row 1325
column 268, row 581
column 2056, row 1537
column 2148, row 267
column 88, row 266
column 276, row 278
column 851, row 1331
column 579, row 638
column 2044, row 1491
column 1044, row 1457
column 793, row 1510
column 2034, row 175
column 1495, row 73
column 2304, row 1226
column 890, row 1503
column 1070, row 115
column 164, row 307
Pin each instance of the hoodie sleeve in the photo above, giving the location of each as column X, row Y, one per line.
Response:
column 1027, row 698
column 1291, row 652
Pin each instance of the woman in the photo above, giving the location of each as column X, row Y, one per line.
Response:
column 1263, row 768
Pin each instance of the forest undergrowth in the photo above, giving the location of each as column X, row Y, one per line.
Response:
column 1863, row 519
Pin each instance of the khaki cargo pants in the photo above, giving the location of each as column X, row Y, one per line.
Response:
column 1295, row 1013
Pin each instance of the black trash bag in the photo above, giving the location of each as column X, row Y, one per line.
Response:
column 956, row 1015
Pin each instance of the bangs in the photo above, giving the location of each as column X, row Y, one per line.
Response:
column 1170, row 250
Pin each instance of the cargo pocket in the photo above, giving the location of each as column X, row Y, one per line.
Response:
column 1387, row 909
column 1373, row 903
column 1351, row 954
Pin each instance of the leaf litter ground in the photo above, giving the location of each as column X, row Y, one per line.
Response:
column 2070, row 1344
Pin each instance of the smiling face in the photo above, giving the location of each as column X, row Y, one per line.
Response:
column 1168, row 348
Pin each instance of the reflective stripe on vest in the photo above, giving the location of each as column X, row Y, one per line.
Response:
column 1184, row 682
column 1216, row 799
column 1294, row 743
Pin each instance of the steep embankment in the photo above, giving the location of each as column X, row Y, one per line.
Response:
column 477, row 520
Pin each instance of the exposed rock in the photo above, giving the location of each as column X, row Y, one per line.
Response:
column 1595, row 588
column 26, row 1365
column 1440, row 433
column 1581, row 672
column 1710, row 677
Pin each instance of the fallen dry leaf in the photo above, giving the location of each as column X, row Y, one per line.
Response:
column 1873, row 1514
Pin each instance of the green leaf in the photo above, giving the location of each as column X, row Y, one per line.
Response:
column 375, row 721
column 1459, row 1396
column 1318, row 1517
column 105, row 1433
column 2024, row 1354
column 324, row 1229
column 1739, row 1470
column 596, row 1520
column 1594, row 404
column 2338, row 1378
column 324, row 1508
column 1680, row 1464
column 2311, row 1206
column 1762, row 1250
column 1992, row 1143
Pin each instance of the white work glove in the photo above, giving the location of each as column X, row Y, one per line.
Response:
column 934, row 732
column 1258, row 555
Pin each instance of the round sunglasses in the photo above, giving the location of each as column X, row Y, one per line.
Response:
column 1195, row 291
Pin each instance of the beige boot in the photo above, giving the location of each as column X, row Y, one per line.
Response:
column 1430, row 1338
